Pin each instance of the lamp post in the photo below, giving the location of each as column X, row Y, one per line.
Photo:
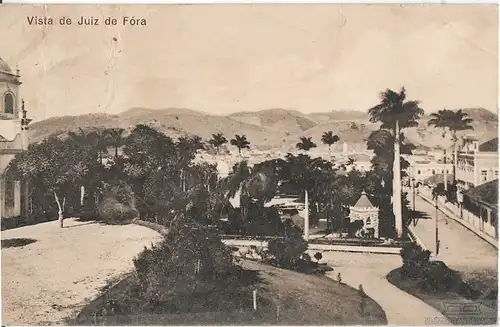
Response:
column 413, row 186
column 437, row 229
column 460, row 200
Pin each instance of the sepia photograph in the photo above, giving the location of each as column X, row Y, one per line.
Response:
column 249, row 164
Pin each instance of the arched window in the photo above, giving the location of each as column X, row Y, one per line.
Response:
column 368, row 221
column 433, row 171
column 8, row 103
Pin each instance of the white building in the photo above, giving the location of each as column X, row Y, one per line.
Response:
column 13, row 139
column 477, row 163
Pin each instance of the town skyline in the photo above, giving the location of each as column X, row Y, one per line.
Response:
column 320, row 58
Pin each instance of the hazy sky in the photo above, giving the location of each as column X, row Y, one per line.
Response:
column 226, row 58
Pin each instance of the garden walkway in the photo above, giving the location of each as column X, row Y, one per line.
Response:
column 370, row 270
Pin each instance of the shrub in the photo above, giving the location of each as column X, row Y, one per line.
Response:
column 414, row 257
column 118, row 203
column 260, row 222
column 288, row 251
column 432, row 276
column 169, row 268
column 437, row 277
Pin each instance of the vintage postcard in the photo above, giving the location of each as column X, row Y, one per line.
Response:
column 249, row 164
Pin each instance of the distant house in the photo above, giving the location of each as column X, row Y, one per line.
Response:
column 422, row 170
column 482, row 201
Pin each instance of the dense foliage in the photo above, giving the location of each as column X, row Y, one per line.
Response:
column 190, row 254
column 431, row 276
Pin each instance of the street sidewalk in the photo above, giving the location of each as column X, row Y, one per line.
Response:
column 470, row 223
column 459, row 247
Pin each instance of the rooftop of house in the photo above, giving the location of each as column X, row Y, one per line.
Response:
column 438, row 178
column 489, row 146
column 486, row 193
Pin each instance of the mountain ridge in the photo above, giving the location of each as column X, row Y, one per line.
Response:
column 276, row 128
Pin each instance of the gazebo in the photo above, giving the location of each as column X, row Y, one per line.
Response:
column 366, row 212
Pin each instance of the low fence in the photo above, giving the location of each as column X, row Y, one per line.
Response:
column 359, row 246
column 321, row 247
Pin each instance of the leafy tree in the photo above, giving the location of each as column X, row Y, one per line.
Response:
column 146, row 152
column 395, row 114
column 217, row 141
column 241, row 142
column 329, row 139
column 58, row 165
column 309, row 177
column 451, row 122
column 305, row 143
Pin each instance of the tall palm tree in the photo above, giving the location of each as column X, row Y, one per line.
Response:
column 395, row 114
column 452, row 122
column 305, row 143
column 115, row 139
column 329, row 139
column 217, row 141
column 241, row 142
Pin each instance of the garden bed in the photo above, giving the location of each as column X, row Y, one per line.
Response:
column 284, row 297
column 455, row 306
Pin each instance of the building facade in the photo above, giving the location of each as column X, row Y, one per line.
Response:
column 423, row 169
column 477, row 163
column 13, row 139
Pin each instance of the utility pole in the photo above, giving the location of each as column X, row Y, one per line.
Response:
column 306, row 216
column 437, row 233
column 413, row 185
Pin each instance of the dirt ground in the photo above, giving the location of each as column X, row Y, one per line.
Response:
column 51, row 279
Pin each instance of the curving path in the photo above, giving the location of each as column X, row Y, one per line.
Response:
column 370, row 270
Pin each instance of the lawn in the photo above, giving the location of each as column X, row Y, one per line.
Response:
column 284, row 297
column 458, row 309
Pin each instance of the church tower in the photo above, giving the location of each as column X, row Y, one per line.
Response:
column 13, row 139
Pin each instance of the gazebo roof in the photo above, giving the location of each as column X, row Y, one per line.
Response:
column 364, row 202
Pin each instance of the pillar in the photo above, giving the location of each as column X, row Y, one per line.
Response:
column 26, row 197
column 17, row 199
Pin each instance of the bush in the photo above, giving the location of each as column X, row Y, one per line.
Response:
column 414, row 257
column 432, row 276
column 288, row 251
column 260, row 222
column 118, row 203
column 171, row 267
column 437, row 277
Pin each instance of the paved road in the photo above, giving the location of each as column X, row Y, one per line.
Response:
column 370, row 271
column 459, row 248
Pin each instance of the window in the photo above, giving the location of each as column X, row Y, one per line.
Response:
column 496, row 173
column 484, row 175
column 8, row 103
column 368, row 221
column 418, row 172
column 433, row 171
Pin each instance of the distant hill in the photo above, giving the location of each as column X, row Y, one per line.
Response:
column 266, row 129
